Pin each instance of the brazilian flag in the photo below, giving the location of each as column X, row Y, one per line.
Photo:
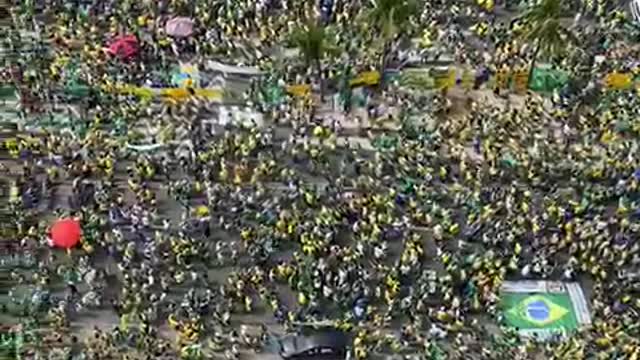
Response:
column 549, row 312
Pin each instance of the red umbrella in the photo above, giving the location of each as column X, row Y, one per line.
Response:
column 125, row 47
column 65, row 233
column 179, row 27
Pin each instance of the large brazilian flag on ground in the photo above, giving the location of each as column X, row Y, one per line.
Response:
column 544, row 308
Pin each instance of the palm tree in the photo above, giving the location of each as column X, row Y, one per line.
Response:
column 544, row 28
column 391, row 17
column 313, row 42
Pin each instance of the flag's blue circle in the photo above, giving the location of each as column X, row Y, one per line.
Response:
column 538, row 310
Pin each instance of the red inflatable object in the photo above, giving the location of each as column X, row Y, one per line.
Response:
column 65, row 233
column 124, row 47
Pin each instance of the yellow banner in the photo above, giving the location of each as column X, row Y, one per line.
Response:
column 134, row 90
column 618, row 81
column 486, row 4
column 211, row 94
column 174, row 94
column 177, row 94
column 451, row 79
column 502, row 79
column 445, row 79
column 299, row 90
column 521, row 81
column 441, row 78
column 468, row 79
column 366, row 78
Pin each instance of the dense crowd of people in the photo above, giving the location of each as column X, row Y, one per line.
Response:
column 207, row 249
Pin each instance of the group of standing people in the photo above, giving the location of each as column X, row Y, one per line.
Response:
column 207, row 250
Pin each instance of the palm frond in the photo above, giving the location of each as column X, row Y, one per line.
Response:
column 313, row 40
column 392, row 14
column 543, row 26
column 543, row 11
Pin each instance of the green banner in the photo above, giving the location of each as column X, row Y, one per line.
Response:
column 384, row 142
column 547, row 79
column 418, row 79
column 274, row 95
column 543, row 79
column 77, row 90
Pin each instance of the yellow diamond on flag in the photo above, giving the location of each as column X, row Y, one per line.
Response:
column 539, row 310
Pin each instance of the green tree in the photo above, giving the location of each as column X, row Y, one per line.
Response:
column 314, row 44
column 544, row 29
column 390, row 18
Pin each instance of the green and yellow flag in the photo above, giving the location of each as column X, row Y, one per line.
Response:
column 541, row 311
column 544, row 308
